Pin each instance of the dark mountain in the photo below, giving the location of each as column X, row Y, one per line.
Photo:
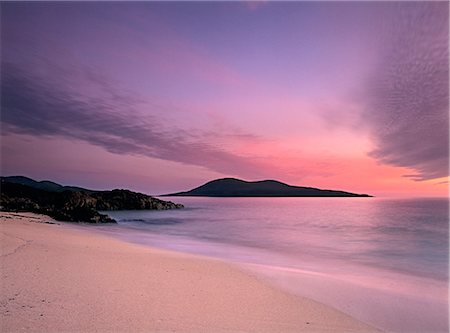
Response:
column 70, row 205
column 231, row 187
column 43, row 185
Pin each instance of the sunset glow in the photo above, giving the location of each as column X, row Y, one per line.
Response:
column 161, row 97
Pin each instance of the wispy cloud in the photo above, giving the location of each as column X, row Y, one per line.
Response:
column 408, row 99
column 43, row 105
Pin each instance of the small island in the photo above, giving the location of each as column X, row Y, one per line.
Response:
column 232, row 187
column 73, row 204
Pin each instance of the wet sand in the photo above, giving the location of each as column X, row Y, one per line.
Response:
column 59, row 277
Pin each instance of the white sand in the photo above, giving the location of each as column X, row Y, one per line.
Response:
column 56, row 277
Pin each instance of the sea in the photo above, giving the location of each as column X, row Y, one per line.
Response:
column 384, row 261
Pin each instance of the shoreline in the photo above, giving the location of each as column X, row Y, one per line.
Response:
column 57, row 277
column 391, row 301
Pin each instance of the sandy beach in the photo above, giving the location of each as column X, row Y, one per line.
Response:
column 59, row 278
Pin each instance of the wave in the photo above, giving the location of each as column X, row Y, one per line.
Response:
column 153, row 221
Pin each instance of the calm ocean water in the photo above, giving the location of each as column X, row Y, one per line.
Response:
column 384, row 261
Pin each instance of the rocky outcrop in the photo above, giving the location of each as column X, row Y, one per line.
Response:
column 60, row 206
column 76, row 206
column 125, row 199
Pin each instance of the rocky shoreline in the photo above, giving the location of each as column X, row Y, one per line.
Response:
column 76, row 206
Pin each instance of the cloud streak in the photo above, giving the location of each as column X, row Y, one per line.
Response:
column 408, row 99
column 44, row 106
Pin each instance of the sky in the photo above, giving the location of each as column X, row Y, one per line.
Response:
column 160, row 97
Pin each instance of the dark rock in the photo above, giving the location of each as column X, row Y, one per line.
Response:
column 75, row 206
column 125, row 199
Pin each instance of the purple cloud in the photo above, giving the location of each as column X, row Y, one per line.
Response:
column 45, row 105
column 408, row 99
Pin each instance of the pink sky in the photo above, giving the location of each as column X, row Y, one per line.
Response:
column 162, row 97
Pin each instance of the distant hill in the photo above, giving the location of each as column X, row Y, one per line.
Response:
column 65, row 203
column 231, row 187
column 43, row 185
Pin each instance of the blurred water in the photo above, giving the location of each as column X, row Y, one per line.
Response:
column 389, row 256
